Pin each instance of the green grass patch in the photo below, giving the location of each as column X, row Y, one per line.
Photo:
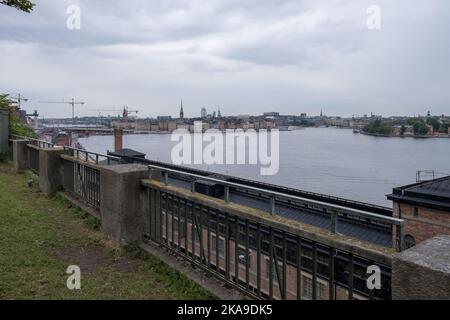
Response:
column 41, row 236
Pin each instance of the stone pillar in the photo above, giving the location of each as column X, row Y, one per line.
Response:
column 50, row 170
column 122, row 207
column 20, row 155
column 423, row 272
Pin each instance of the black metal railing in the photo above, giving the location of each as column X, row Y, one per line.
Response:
column 333, row 211
column 93, row 157
column 36, row 142
column 33, row 159
column 82, row 181
column 262, row 261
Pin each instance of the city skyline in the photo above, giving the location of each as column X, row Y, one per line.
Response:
column 290, row 57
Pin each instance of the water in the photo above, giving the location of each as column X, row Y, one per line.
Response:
column 324, row 160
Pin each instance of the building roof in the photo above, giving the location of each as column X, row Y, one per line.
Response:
column 434, row 194
column 127, row 153
column 358, row 229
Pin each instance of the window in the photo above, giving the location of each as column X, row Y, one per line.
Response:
column 182, row 226
column 307, row 287
column 274, row 271
column 409, row 241
column 242, row 256
column 416, row 212
column 221, row 245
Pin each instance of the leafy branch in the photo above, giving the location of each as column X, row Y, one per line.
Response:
column 23, row 5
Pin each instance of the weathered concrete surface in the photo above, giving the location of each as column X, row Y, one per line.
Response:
column 20, row 155
column 123, row 207
column 423, row 272
column 50, row 170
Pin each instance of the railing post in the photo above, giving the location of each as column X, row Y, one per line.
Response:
column 227, row 194
column 166, row 178
column 272, row 205
column 193, row 185
column 334, row 221
column 50, row 170
column 20, row 155
column 122, row 210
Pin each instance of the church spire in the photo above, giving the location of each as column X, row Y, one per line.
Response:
column 181, row 110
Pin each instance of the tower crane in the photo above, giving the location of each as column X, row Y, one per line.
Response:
column 19, row 99
column 72, row 103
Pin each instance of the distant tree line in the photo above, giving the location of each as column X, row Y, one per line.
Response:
column 420, row 126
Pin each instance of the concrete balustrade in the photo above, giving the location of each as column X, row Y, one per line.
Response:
column 123, row 202
column 20, row 155
column 423, row 272
column 50, row 170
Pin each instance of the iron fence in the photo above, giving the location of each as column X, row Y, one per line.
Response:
column 93, row 157
column 82, row 181
column 33, row 159
column 262, row 261
column 335, row 212
column 35, row 142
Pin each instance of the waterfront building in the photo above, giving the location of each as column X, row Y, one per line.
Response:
column 425, row 207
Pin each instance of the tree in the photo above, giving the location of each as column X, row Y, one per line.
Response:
column 402, row 130
column 378, row 127
column 434, row 122
column 23, row 5
column 16, row 125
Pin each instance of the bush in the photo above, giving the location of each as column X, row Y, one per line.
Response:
column 16, row 125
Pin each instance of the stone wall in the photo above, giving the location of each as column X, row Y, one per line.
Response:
column 423, row 272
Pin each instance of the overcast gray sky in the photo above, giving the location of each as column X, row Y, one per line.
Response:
column 246, row 56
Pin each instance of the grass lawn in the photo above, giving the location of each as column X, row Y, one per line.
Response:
column 41, row 236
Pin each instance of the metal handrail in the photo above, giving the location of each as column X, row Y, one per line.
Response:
column 76, row 152
column 265, row 185
column 37, row 142
column 333, row 209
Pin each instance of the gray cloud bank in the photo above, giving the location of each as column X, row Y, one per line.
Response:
column 244, row 56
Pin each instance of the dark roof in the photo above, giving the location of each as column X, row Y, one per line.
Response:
column 433, row 194
column 127, row 153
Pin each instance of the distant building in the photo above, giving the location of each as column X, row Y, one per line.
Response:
column 164, row 118
column 203, row 113
column 62, row 139
column 271, row 114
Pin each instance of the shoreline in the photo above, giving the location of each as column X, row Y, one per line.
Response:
column 404, row 136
